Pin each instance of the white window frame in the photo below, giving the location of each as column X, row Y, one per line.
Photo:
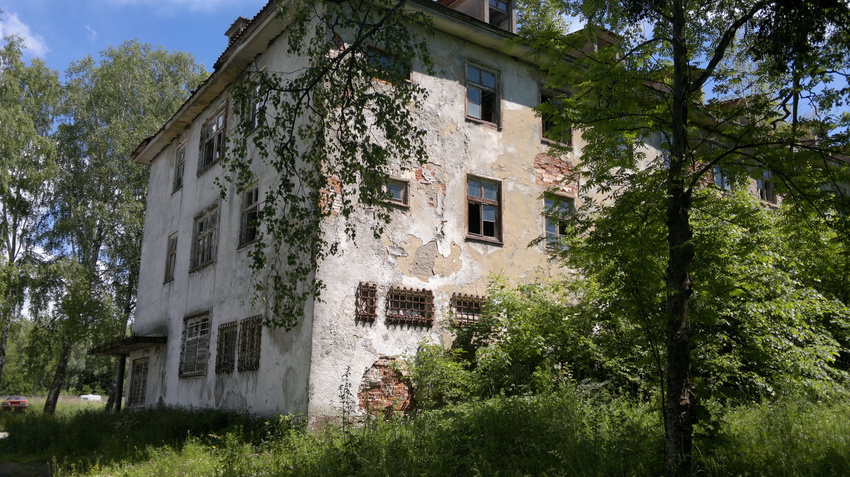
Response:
column 194, row 349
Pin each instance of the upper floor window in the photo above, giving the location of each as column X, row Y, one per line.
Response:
column 482, row 94
column 556, row 210
column 766, row 187
column 170, row 258
column 500, row 14
column 195, row 346
column 484, row 213
column 212, row 141
column 179, row 166
column 386, row 67
column 722, row 179
column 204, row 238
column 553, row 130
column 250, row 216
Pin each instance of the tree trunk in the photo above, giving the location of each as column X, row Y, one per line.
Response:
column 58, row 377
column 678, row 413
column 4, row 338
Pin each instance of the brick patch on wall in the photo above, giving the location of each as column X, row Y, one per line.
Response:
column 550, row 172
column 384, row 390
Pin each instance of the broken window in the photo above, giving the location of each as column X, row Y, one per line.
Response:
column 250, row 216
column 482, row 97
column 225, row 351
column 410, row 306
column 171, row 258
column 553, row 130
column 766, row 187
column 396, row 191
column 484, row 199
column 179, row 166
column 366, row 302
column 204, row 239
column 250, row 331
column 212, row 142
column 193, row 352
column 466, row 309
column 138, row 382
column 556, row 210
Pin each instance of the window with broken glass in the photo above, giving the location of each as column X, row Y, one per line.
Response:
column 250, row 332
column 212, row 142
column 484, row 209
column 179, row 166
column 204, row 239
column 170, row 258
column 250, row 216
column 366, row 302
column 466, row 309
column 410, row 306
column 482, row 94
column 556, row 209
column 556, row 131
column 225, row 351
column 195, row 345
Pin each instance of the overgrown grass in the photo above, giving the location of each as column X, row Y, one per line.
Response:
column 563, row 434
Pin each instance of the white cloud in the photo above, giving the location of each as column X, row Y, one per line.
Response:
column 10, row 24
column 92, row 33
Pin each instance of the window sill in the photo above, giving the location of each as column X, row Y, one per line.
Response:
column 552, row 142
column 208, row 167
column 201, row 267
column 192, row 375
column 483, row 239
column 245, row 245
column 176, row 190
column 482, row 122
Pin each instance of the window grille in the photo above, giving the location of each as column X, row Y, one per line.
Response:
column 410, row 307
column 466, row 309
column 225, row 354
column 171, row 258
column 249, row 343
column 196, row 337
column 139, row 382
column 367, row 302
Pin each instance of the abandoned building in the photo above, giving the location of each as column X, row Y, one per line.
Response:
column 468, row 214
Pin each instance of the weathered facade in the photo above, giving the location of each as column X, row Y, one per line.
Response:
column 469, row 213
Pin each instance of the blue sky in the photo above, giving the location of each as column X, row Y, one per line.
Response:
column 62, row 31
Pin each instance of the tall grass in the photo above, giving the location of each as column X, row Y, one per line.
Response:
column 560, row 434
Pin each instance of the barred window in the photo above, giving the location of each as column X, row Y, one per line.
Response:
column 466, row 309
column 410, row 307
column 138, row 382
column 225, row 352
column 212, row 142
column 367, row 302
column 171, row 258
column 205, row 237
column 196, row 340
column 249, row 343
column 250, row 216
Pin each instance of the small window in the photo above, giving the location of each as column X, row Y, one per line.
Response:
column 366, row 302
column 196, row 338
column 250, row 332
column 258, row 108
column 138, row 382
column 179, row 166
column 225, row 351
column 556, row 211
column 386, row 67
column 396, row 191
column 766, row 187
column 410, row 307
column 466, row 309
column 205, row 237
column 212, row 142
column 484, row 200
column 250, row 216
column 171, row 258
column 482, row 97
column 722, row 179
column 553, row 130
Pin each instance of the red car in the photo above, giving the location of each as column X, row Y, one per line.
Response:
column 15, row 403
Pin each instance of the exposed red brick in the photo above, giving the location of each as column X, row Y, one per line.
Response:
column 550, row 172
column 384, row 390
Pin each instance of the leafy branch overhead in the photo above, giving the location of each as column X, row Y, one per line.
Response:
column 331, row 121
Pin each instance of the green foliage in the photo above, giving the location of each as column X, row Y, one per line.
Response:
column 330, row 127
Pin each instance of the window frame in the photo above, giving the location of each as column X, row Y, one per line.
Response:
column 179, row 168
column 468, row 303
column 410, row 306
column 206, row 238
column 389, row 61
column 225, row 350
column 405, row 186
column 196, row 337
column 138, row 382
column 766, row 187
column 549, row 202
column 482, row 202
column 493, row 92
column 170, row 257
column 250, row 341
column 249, row 216
column 366, row 302
column 215, row 140
column 548, row 95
